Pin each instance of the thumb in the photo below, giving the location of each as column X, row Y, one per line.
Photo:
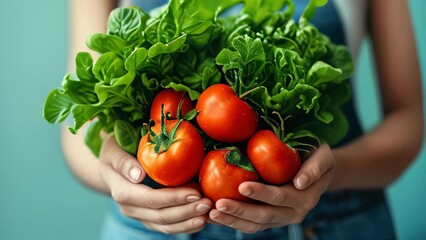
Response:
column 121, row 161
column 312, row 170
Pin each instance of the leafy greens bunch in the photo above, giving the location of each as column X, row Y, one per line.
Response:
column 269, row 59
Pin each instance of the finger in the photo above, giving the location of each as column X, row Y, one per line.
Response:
column 236, row 222
column 270, row 194
column 314, row 167
column 188, row 226
column 260, row 214
column 121, row 161
column 140, row 195
column 168, row 215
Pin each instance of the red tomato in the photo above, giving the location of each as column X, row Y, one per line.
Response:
column 178, row 159
column 220, row 179
column 275, row 161
column 224, row 116
column 170, row 98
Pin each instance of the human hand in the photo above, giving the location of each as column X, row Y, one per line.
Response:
column 167, row 210
column 279, row 205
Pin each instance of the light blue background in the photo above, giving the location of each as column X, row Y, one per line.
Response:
column 40, row 199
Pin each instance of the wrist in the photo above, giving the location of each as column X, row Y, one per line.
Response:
column 338, row 180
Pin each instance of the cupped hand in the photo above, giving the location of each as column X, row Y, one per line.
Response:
column 167, row 210
column 278, row 205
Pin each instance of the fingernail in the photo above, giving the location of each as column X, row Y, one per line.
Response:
column 135, row 173
column 192, row 198
column 246, row 192
column 202, row 207
column 198, row 222
column 222, row 209
column 302, row 181
column 214, row 214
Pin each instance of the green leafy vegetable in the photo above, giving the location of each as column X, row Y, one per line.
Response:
column 272, row 61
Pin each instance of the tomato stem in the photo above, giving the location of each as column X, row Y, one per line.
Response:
column 235, row 158
column 179, row 108
column 164, row 139
column 278, row 128
column 243, row 95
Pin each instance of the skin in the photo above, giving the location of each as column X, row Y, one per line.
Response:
column 374, row 160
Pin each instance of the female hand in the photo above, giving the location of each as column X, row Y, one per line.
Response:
column 167, row 210
column 280, row 205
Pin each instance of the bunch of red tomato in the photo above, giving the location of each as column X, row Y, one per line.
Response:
column 173, row 151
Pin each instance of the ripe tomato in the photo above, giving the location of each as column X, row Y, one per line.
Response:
column 275, row 161
column 170, row 98
column 171, row 157
column 223, row 116
column 220, row 178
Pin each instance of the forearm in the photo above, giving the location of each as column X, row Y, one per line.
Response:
column 81, row 161
column 86, row 18
column 379, row 158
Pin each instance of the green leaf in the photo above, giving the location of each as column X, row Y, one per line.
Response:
column 226, row 56
column 93, row 137
column 151, row 84
column 125, row 80
column 82, row 114
column 103, row 43
column 190, row 115
column 127, row 24
column 136, row 59
column 80, row 92
column 84, row 63
column 211, row 75
column 321, row 73
column 127, row 136
column 342, row 59
column 249, row 49
column 111, row 96
column 161, row 48
column 57, row 106
column 193, row 95
column 303, row 96
column 309, row 11
column 261, row 10
column 195, row 18
column 244, row 66
column 332, row 132
column 303, row 140
column 109, row 66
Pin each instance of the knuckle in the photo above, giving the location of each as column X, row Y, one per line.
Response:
column 315, row 173
column 265, row 218
column 161, row 219
column 279, row 198
column 238, row 211
column 149, row 202
column 121, row 162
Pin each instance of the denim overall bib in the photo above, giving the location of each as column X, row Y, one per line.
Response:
column 361, row 214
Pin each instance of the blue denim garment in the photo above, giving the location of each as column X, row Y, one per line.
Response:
column 361, row 214
column 371, row 223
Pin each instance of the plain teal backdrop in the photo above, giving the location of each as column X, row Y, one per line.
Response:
column 39, row 197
